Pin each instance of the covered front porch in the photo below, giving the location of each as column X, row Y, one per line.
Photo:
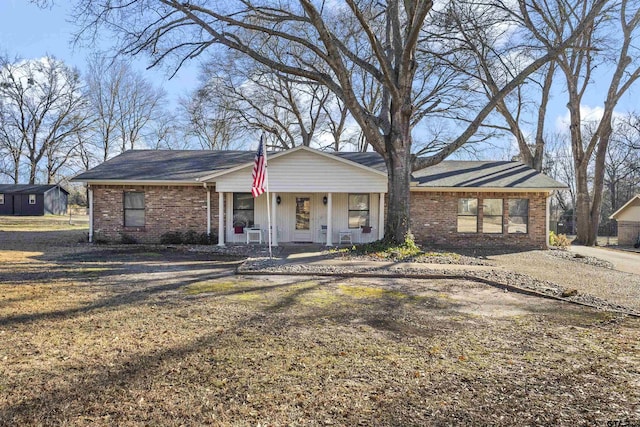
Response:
column 327, row 218
column 314, row 197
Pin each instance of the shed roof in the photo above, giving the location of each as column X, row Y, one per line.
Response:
column 635, row 200
column 28, row 188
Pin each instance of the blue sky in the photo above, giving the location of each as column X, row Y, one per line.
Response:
column 29, row 32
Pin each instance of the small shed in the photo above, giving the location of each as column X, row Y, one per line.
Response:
column 28, row 199
column 628, row 218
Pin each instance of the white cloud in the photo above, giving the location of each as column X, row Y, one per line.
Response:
column 587, row 113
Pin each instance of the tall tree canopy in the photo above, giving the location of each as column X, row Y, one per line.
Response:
column 335, row 44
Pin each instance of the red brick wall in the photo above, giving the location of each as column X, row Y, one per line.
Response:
column 434, row 218
column 167, row 208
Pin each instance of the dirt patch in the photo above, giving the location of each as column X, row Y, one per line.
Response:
column 168, row 337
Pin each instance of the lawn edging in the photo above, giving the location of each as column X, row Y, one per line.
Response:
column 577, row 299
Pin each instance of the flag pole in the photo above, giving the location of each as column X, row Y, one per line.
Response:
column 266, row 177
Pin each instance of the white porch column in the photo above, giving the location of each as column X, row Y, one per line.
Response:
column 90, row 215
column 208, row 211
column 221, row 219
column 381, row 217
column 329, row 220
column 274, row 220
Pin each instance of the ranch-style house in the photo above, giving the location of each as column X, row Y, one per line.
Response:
column 315, row 196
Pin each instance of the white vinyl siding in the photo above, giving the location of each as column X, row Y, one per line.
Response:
column 285, row 216
column 307, row 172
column 631, row 213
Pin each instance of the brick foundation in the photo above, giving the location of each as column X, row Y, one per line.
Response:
column 167, row 208
column 434, row 217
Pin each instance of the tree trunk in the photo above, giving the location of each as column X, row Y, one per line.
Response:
column 583, row 207
column 399, row 166
column 33, row 170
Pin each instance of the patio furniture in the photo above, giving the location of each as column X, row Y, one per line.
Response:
column 344, row 237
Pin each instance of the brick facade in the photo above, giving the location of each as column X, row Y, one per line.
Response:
column 434, row 217
column 167, row 208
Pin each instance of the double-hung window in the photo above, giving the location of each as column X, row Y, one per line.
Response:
column 1, row 199
column 358, row 210
column 492, row 216
column 519, row 216
column 32, row 199
column 467, row 215
column 133, row 209
column 243, row 210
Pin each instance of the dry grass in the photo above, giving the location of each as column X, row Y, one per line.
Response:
column 43, row 223
column 168, row 338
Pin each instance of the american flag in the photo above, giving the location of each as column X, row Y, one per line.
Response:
column 259, row 172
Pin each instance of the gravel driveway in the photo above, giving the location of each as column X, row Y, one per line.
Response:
column 626, row 261
column 609, row 284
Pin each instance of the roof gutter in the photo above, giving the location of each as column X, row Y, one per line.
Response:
column 484, row 189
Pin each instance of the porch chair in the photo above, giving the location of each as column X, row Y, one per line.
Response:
column 344, row 237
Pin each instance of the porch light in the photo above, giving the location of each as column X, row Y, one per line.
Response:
column 324, row 200
column 278, row 200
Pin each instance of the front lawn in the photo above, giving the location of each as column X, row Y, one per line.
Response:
column 168, row 338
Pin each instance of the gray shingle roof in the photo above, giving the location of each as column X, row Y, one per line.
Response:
column 165, row 165
column 480, row 174
column 27, row 188
column 190, row 165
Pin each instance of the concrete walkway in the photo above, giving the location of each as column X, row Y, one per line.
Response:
column 626, row 261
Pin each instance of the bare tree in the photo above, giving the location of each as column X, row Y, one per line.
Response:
column 263, row 101
column 209, row 117
column 45, row 108
column 11, row 144
column 622, row 165
column 139, row 103
column 490, row 51
column 610, row 39
column 123, row 102
column 390, row 33
column 104, row 80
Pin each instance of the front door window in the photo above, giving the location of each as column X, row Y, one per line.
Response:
column 303, row 213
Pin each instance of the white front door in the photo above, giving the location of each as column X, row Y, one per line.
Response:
column 302, row 226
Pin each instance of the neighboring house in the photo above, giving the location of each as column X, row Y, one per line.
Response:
column 316, row 196
column 27, row 199
column 628, row 218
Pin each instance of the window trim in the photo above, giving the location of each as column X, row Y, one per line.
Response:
column 234, row 210
column 501, row 216
column 458, row 215
column 526, row 223
column 125, row 209
column 368, row 210
column 32, row 199
column 1, row 198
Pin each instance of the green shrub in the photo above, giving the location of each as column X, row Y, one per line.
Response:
column 127, row 239
column 172, row 238
column 189, row 237
column 383, row 249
